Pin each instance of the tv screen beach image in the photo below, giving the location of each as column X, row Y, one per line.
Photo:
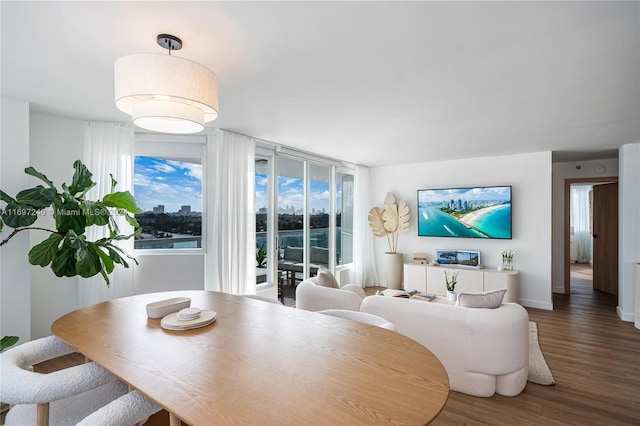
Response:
column 481, row 212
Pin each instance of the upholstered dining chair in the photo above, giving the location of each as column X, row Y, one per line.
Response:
column 362, row 317
column 130, row 409
column 62, row 397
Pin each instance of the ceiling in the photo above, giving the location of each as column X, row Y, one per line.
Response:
column 372, row 83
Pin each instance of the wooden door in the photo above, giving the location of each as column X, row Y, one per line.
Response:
column 605, row 238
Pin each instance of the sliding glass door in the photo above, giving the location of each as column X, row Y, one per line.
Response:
column 304, row 219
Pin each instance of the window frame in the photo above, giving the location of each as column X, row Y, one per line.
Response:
column 173, row 147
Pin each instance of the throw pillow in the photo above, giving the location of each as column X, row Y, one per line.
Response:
column 326, row 278
column 489, row 299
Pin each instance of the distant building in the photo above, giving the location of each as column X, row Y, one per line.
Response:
column 159, row 209
column 184, row 211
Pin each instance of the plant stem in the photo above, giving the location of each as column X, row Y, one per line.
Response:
column 15, row 231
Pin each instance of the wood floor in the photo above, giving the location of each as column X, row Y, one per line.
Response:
column 595, row 360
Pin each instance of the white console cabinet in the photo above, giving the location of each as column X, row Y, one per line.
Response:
column 470, row 280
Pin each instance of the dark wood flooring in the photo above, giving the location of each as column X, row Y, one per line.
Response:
column 594, row 357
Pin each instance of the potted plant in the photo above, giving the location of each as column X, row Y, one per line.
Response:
column 451, row 281
column 389, row 221
column 66, row 249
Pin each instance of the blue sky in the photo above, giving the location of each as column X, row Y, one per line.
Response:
column 290, row 193
column 168, row 182
column 175, row 183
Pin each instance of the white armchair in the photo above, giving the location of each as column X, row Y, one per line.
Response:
column 60, row 398
column 313, row 297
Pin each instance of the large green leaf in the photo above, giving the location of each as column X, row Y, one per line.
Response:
column 82, row 178
column 7, row 342
column 42, row 254
column 122, row 200
column 75, row 241
column 63, row 263
column 33, row 172
column 96, row 213
column 69, row 215
column 106, row 260
column 6, row 198
column 18, row 215
column 132, row 221
column 87, row 261
column 38, row 197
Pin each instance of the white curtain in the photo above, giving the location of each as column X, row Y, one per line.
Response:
column 231, row 238
column 365, row 271
column 108, row 149
column 581, row 222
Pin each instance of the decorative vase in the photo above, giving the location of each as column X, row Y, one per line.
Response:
column 507, row 264
column 393, row 268
column 451, row 295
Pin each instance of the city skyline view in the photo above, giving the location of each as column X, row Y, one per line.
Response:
column 171, row 183
column 291, row 194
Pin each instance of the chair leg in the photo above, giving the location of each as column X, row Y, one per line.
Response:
column 42, row 417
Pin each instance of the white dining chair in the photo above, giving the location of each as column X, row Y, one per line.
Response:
column 130, row 409
column 362, row 317
column 62, row 397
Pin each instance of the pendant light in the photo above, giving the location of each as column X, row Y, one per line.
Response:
column 165, row 93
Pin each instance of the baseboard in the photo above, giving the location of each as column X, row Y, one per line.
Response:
column 536, row 304
column 625, row 316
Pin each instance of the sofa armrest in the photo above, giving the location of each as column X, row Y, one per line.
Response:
column 486, row 341
column 312, row 297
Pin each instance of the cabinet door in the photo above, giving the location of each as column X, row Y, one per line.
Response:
column 415, row 277
column 495, row 280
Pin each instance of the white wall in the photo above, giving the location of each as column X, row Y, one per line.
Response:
column 161, row 272
column 629, row 229
column 14, row 267
column 55, row 143
column 530, row 177
column 561, row 172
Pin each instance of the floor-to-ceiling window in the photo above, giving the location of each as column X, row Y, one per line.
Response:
column 301, row 206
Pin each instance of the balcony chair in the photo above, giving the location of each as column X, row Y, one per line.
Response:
column 62, row 397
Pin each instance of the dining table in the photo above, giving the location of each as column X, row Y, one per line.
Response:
column 260, row 363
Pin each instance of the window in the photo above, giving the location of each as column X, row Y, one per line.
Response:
column 344, row 218
column 304, row 216
column 168, row 188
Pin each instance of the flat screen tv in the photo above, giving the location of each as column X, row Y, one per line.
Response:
column 477, row 212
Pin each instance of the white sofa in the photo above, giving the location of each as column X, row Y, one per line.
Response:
column 484, row 351
column 313, row 297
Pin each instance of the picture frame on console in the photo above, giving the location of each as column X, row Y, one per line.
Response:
column 458, row 257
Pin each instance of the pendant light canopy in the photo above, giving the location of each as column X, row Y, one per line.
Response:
column 165, row 93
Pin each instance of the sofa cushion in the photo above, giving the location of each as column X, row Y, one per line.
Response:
column 489, row 299
column 326, row 278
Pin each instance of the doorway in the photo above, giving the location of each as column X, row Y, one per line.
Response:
column 591, row 235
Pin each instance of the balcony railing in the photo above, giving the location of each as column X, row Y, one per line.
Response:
column 181, row 242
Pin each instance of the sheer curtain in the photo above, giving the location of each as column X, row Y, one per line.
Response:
column 231, row 237
column 581, row 222
column 365, row 271
column 108, row 149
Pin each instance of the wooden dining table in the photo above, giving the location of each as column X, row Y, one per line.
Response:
column 261, row 363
